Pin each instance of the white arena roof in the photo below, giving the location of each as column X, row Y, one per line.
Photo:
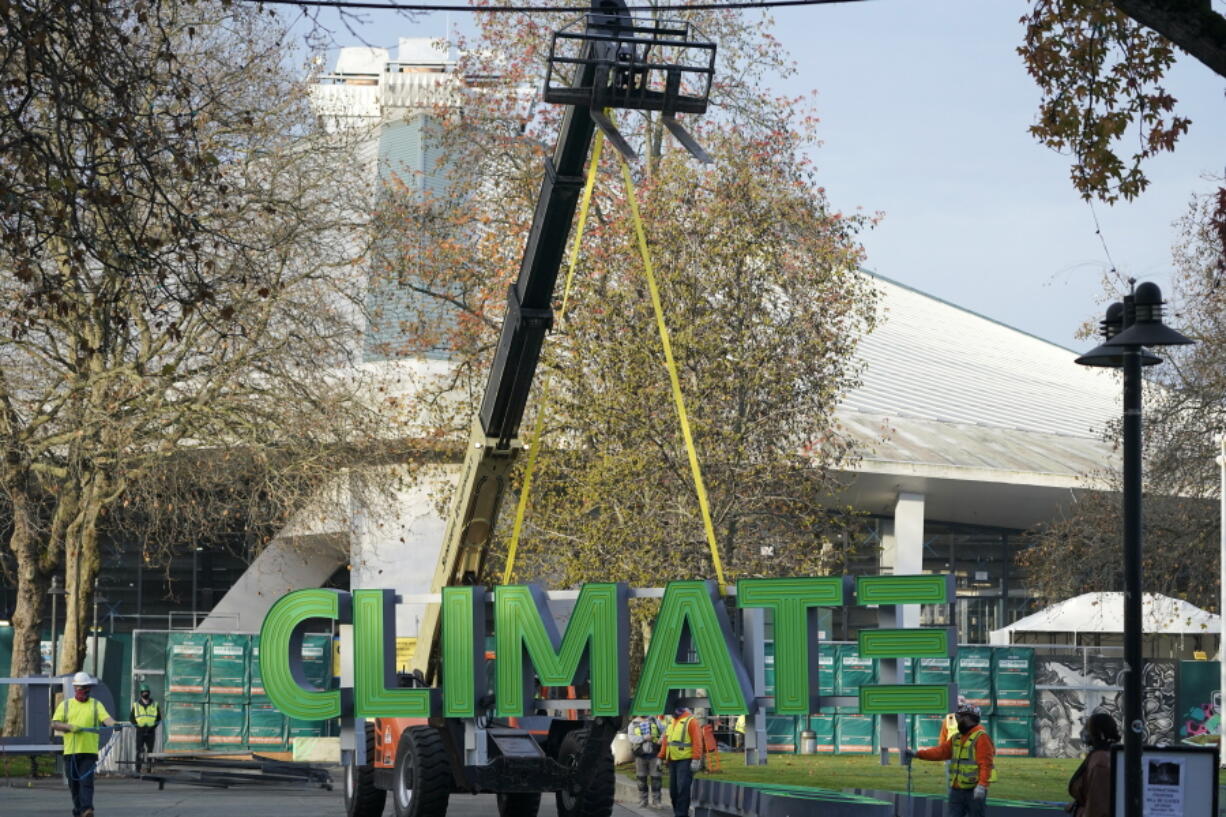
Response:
column 993, row 425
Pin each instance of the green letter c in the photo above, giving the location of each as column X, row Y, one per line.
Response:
column 285, row 679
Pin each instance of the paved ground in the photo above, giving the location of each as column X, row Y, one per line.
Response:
column 131, row 798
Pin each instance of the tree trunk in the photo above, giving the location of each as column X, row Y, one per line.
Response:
column 82, row 570
column 32, row 581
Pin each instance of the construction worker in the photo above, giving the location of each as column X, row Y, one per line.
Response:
column 972, row 763
column 146, row 715
column 644, row 734
column 79, row 718
column 682, row 750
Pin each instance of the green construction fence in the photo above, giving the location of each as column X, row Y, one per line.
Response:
column 229, row 668
column 934, row 671
column 255, row 685
column 855, row 734
column 926, row 730
column 183, row 726
column 781, row 734
column 823, row 727
column 973, row 674
column 827, row 656
column 851, row 672
column 266, row 728
column 998, row 679
column 1013, row 735
column 214, row 693
column 187, row 667
column 1013, row 681
column 226, row 727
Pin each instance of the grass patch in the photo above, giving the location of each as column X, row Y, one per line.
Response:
column 1019, row 778
column 19, row 765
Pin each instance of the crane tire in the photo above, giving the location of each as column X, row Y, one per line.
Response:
column 362, row 798
column 594, row 798
column 422, row 777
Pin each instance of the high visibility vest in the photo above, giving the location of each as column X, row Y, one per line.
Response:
column 649, row 729
column 88, row 715
column 146, row 715
column 679, row 747
column 648, row 732
column 963, row 768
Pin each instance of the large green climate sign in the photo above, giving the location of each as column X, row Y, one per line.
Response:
column 692, row 647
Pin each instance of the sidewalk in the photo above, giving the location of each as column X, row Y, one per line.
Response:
column 135, row 798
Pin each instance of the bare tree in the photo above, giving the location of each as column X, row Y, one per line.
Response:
column 180, row 254
column 1185, row 410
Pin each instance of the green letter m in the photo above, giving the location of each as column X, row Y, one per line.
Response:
column 526, row 643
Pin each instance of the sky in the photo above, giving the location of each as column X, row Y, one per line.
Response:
column 924, row 111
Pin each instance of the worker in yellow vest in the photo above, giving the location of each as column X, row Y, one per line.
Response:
column 682, row 750
column 645, row 734
column 79, row 719
column 972, row 765
column 146, row 714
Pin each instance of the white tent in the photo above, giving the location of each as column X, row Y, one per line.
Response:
column 1103, row 613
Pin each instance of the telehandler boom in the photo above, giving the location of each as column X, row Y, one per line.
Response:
column 608, row 60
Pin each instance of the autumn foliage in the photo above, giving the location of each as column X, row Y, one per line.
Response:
column 761, row 293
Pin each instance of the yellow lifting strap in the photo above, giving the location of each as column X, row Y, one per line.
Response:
column 538, row 429
column 678, row 399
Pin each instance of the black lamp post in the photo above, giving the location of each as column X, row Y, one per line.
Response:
column 1129, row 327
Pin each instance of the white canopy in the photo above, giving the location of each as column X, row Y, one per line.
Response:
column 1104, row 613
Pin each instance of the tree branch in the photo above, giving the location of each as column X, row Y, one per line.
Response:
column 1191, row 24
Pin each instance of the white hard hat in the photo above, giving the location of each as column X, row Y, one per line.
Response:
column 82, row 679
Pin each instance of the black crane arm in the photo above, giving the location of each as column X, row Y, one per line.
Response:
column 494, row 438
column 529, row 312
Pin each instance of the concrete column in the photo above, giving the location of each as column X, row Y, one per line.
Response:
column 902, row 546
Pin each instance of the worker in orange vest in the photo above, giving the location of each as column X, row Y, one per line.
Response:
column 682, row 750
column 972, row 759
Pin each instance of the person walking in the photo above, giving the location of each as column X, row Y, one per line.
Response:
column 79, row 718
column 644, row 733
column 146, row 715
column 972, row 765
column 682, row 750
column 1090, row 785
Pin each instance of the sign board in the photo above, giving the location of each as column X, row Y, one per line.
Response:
column 1176, row 781
column 594, row 648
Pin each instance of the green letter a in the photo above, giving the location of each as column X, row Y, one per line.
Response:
column 692, row 614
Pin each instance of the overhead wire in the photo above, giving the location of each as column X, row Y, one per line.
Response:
column 1102, row 239
column 461, row 7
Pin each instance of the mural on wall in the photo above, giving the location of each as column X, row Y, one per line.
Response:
column 1072, row 686
column 1199, row 703
column 1159, row 702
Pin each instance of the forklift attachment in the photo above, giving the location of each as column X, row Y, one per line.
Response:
column 603, row 62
